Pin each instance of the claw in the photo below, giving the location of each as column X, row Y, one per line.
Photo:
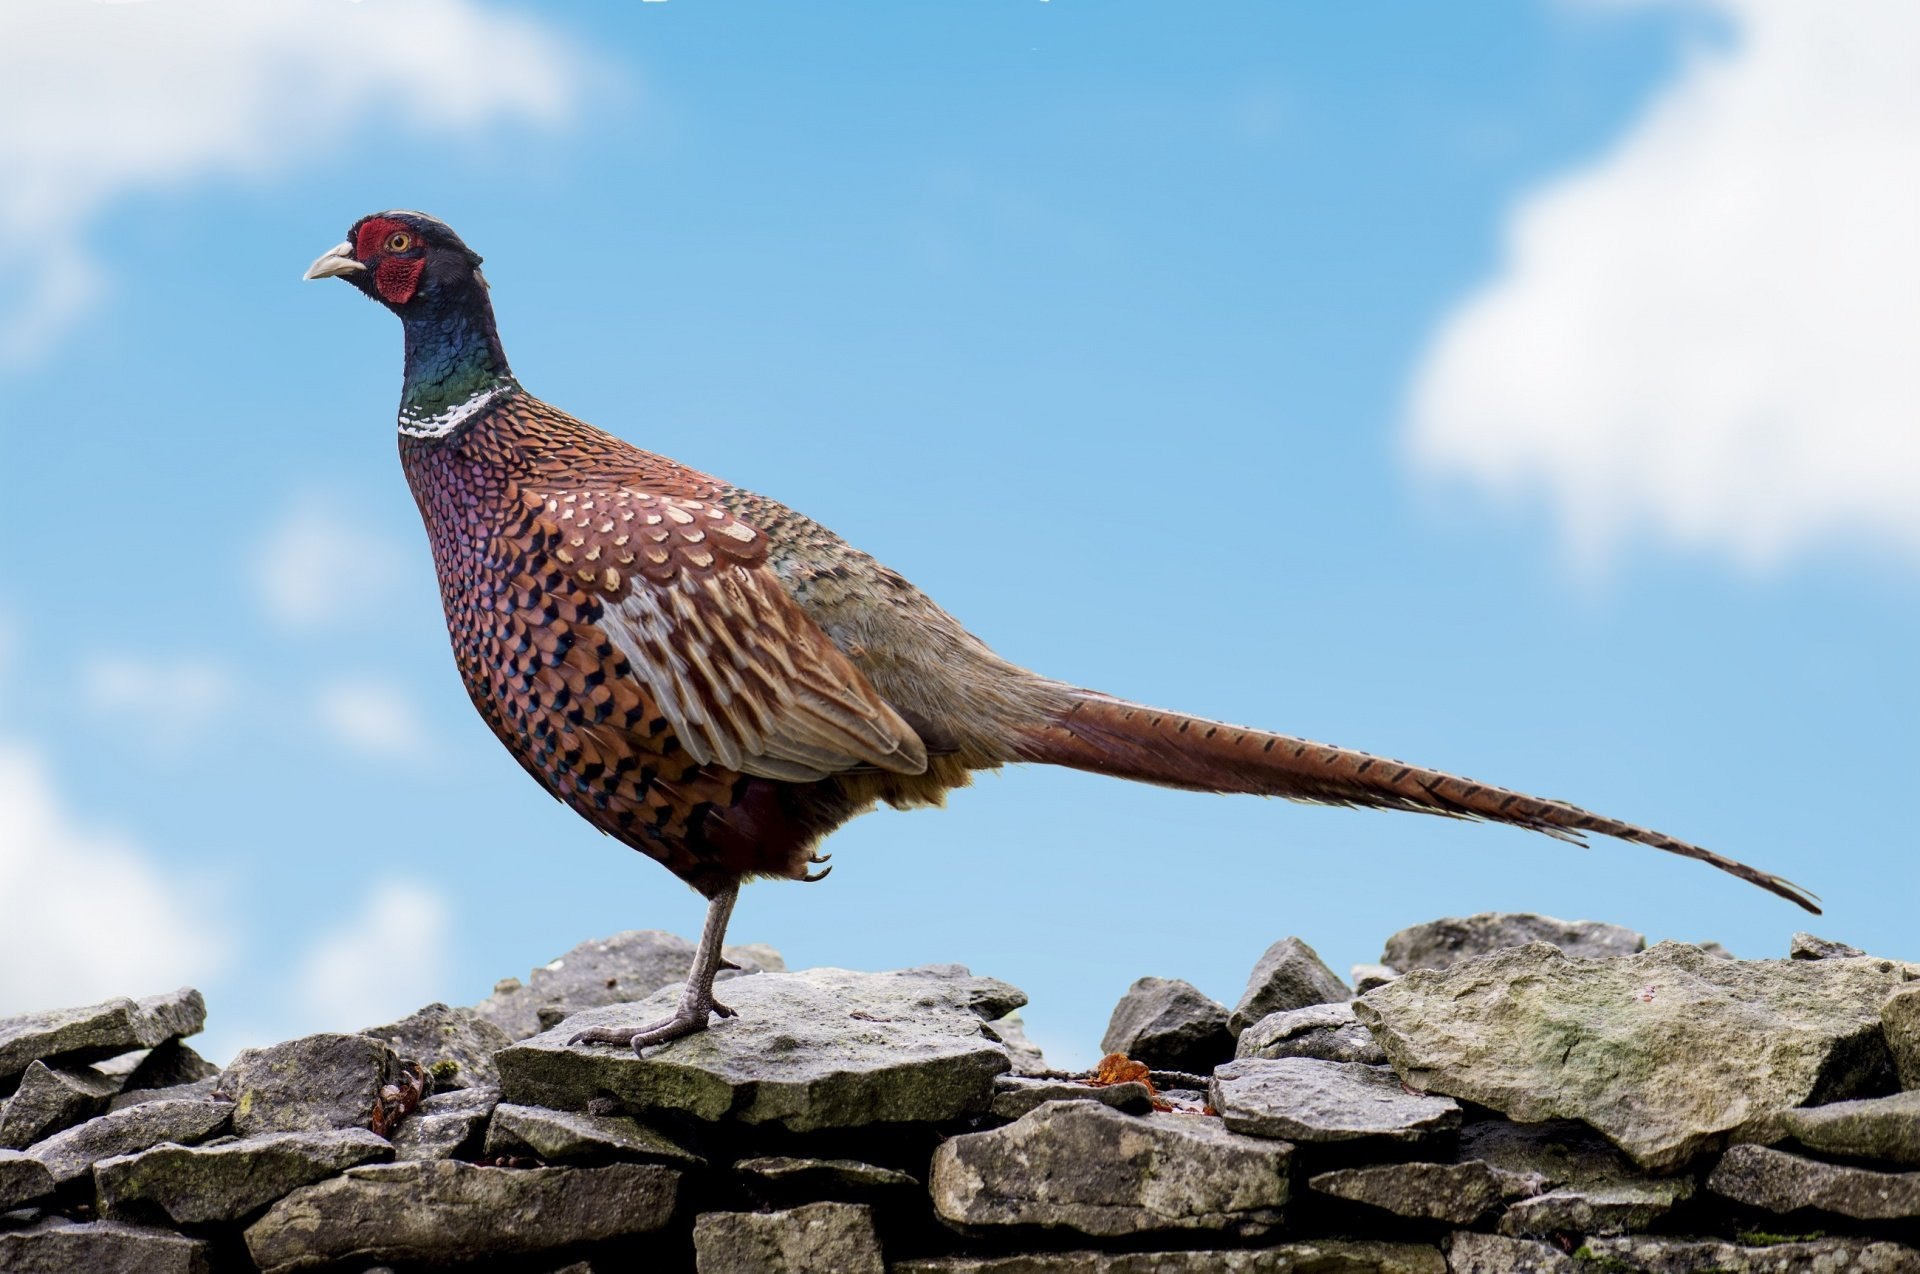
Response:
column 728, row 964
column 813, row 876
column 720, row 1010
column 818, row 858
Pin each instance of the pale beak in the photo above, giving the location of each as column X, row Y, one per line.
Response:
column 335, row 262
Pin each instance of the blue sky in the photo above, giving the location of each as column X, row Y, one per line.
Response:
column 1522, row 411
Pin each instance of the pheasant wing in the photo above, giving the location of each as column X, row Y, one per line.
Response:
column 746, row 679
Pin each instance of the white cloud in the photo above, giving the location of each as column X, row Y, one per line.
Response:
column 101, row 101
column 85, row 913
column 171, row 703
column 374, row 717
column 384, row 964
column 315, row 568
column 1709, row 336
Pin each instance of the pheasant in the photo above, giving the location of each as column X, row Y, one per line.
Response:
column 718, row 681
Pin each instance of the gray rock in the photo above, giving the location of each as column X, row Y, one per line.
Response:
column 1559, row 1152
column 70, row 1155
column 56, row 1245
column 168, row 1066
column 98, row 1031
column 1668, row 1053
column 1717, row 950
column 1368, row 976
column 230, row 1180
column 1643, row 1255
column 829, row 1178
column 1025, row 1055
column 626, row 967
column 309, row 1084
column 1780, row 1182
column 446, row 1124
column 198, row 1090
column 1469, row 1253
column 1900, row 1020
column 1169, row 1025
column 564, row 1136
column 1082, row 1166
column 50, row 1099
column 23, row 1179
column 1304, row 1099
column 1440, row 944
column 1806, row 946
column 1329, row 1032
column 805, row 1240
column 453, row 1045
column 1621, row 1207
column 1290, row 975
column 1882, row 1128
column 1457, row 1193
column 823, row 1048
column 1302, row 1256
column 1015, row 1095
column 444, row 1211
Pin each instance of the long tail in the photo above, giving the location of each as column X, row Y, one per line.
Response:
column 1096, row 732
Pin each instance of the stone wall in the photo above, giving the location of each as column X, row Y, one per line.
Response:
column 1507, row 1093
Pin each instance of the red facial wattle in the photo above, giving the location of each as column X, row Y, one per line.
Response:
column 396, row 278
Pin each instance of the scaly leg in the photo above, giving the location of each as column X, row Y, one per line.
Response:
column 696, row 1002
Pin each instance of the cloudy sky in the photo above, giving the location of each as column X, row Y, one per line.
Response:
column 1542, row 374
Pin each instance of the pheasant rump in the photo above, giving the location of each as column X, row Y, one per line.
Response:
column 718, row 681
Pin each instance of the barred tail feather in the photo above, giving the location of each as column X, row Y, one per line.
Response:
column 1095, row 732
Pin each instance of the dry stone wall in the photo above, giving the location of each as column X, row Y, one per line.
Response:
column 1506, row 1093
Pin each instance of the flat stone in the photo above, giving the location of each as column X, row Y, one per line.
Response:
column 1457, row 1193
column 444, row 1211
column 1290, row 975
column 1621, row 1207
column 23, row 1179
column 1806, row 946
column 1900, row 1021
column 1641, row 1254
column 1025, row 1055
column 1882, row 1128
column 230, row 1180
column 1559, row 1152
column 1082, row 1166
column 167, row 1066
column 1470, row 1253
column 829, row 1178
column 1365, row 977
column 1169, row 1025
column 626, row 967
column 308, row 1085
column 804, row 1240
column 1440, row 944
column 445, row 1124
column 565, row 1136
column 1669, row 1053
column 70, row 1155
column 1329, row 1032
column 823, row 1048
column 55, row 1245
column 98, row 1031
column 50, row 1099
column 1302, row 1256
column 453, row 1045
column 1780, row 1182
column 1015, row 1095
column 198, row 1090
column 1304, row 1099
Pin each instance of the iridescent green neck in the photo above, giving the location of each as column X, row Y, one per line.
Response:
column 454, row 361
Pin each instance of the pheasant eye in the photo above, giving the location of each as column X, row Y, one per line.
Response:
column 399, row 241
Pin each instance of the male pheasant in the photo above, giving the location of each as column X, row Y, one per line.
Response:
column 718, row 681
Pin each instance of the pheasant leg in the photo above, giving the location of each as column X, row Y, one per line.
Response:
column 696, row 1001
